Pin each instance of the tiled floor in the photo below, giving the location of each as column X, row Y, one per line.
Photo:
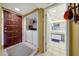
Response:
column 19, row 50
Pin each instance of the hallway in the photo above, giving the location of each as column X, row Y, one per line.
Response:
column 39, row 29
column 28, row 32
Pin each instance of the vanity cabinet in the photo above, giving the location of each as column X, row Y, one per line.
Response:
column 32, row 37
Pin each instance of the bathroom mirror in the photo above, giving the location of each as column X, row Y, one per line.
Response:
column 31, row 21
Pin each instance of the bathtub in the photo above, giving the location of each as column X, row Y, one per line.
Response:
column 20, row 49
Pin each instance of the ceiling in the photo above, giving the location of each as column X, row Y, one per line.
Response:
column 25, row 7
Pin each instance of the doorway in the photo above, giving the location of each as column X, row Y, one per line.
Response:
column 39, row 31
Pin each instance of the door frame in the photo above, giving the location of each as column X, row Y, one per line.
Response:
column 1, row 29
column 40, row 28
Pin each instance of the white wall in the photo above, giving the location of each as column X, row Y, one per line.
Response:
column 55, row 14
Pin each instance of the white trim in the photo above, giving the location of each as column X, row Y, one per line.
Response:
column 45, row 30
column 68, row 38
column 2, row 28
column 68, row 35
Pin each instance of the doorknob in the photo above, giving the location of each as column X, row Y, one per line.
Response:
column 5, row 31
column 5, row 28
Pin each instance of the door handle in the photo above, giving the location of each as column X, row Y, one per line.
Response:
column 5, row 31
column 5, row 28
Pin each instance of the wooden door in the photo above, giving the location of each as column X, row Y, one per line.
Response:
column 12, row 29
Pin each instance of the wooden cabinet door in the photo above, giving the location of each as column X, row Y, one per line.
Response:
column 12, row 29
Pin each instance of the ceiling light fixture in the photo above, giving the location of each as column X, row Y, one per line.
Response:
column 17, row 9
column 54, row 10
